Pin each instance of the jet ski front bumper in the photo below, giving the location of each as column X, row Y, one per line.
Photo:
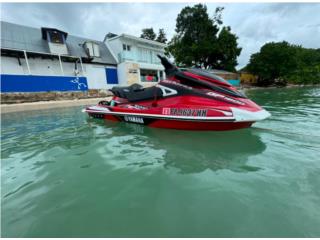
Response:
column 241, row 115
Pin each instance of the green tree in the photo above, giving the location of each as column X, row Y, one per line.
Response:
column 283, row 62
column 161, row 36
column 272, row 62
column 228, row 51
column 196, row 40
column 148, row 33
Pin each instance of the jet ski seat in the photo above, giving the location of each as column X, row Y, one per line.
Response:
column 122, row 91
column 136, row 92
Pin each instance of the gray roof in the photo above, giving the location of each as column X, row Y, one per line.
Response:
column 14, row 36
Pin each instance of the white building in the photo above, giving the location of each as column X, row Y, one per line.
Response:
column 137, row 58
column 48, row 59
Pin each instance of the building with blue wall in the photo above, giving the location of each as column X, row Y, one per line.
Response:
column 48, row 59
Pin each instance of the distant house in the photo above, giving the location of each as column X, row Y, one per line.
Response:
column 231, row 77
column 137, row 57
column 49, row 59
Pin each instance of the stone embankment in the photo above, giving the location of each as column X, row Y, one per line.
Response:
column 11, row 98
column 15, row 102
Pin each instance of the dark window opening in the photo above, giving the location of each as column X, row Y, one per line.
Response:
column 126, row 47
column 56, row 37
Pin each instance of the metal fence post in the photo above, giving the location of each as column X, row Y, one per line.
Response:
column 26, row 57
column 81, row 65
column 61, row 65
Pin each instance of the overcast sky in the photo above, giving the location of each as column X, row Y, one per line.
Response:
column 254, row 23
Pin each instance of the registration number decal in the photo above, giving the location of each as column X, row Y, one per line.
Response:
column 185, row 112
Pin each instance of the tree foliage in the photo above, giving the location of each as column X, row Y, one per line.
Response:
column 161, row 36
column 226, row 56
column 198, row 42
column 283, row 62
column 148, row 33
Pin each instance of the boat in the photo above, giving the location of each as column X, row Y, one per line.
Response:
column 187, row 99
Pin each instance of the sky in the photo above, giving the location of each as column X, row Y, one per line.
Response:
column 254, row 23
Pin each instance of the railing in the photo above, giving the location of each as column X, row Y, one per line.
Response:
column 133, row 56
column 123, row 56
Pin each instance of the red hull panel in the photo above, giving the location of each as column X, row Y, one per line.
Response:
column 191, row 125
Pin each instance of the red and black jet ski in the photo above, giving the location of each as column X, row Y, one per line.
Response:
column 189, row 99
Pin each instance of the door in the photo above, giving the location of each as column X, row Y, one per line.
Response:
column 96, row 77
column 112, row 76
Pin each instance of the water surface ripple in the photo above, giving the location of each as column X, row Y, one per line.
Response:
column 65, row 175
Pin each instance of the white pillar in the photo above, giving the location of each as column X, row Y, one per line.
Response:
column 158, row 75
column 139, row 76
column 26, row 57
column 164, row 74
column 61, row 65
column 81, row 65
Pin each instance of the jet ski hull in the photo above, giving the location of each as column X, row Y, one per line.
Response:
column 188, row 99
column 221, row 122
column 177, row 124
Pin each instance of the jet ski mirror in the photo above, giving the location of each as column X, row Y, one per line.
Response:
column 169, row 67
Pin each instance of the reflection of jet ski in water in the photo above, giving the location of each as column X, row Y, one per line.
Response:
column 190, row 152
column 212, row 150
column 189, row 99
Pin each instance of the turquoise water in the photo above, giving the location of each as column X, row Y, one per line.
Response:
column 65, row 175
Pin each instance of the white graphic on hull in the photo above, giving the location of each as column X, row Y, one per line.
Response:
column 133, row 119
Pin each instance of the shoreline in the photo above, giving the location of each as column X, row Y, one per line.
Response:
column 41, row 105
column 248, row 87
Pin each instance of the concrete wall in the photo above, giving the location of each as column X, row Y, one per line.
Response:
column 10, row 65
column 95, row 74
column 128, row 73
column 38, row 66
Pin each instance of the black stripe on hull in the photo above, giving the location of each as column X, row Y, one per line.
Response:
column 128, row 118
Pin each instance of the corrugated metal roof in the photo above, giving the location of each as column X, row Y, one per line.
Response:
column 30, row 39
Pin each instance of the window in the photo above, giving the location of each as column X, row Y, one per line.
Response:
column 145, row 55
column 56, row 37
column 155, row 58
column 126, row 47
column 147, row 75
column 92, row 49
column 96, row 50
